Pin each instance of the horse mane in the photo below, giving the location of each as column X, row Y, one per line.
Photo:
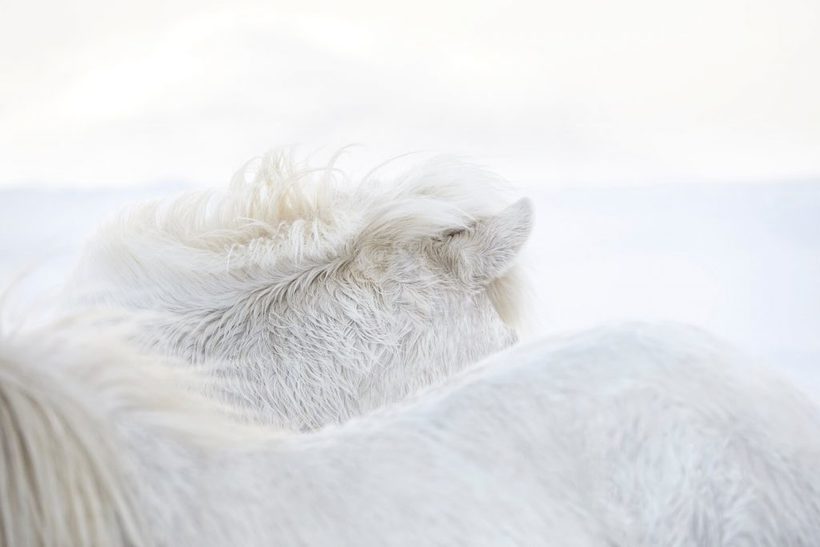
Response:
column 65, row 474
column 61, row 480
column 281, row 221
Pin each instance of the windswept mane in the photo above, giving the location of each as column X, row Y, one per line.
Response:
column 281, row 220
column 71, row 393
column 61, row 479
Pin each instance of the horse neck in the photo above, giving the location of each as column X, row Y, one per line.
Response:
column 292, row 366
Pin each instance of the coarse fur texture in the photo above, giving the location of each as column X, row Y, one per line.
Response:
column 320, row 298
column 635, row 436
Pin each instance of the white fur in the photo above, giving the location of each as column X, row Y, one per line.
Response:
column 319, row 298
column 637, row 436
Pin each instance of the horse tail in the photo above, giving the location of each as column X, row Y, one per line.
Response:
column 62, row 481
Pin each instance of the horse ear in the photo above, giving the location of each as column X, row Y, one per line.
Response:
column 485, row 250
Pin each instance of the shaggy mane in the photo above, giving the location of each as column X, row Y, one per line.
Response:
column 61, row 479
column 284, row 220
column 66, row 390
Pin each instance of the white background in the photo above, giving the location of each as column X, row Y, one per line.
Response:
column 672, row 149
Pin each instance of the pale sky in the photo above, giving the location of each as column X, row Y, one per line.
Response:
column 103, row 93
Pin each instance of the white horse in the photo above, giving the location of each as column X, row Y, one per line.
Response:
column 635, row 436
column 313, row 299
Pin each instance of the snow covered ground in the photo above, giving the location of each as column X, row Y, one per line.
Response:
column 742, row 260
column 708, row 109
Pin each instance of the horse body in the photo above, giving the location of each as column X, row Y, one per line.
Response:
column 312, row 300
column 629, row 436
column 314, row 307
